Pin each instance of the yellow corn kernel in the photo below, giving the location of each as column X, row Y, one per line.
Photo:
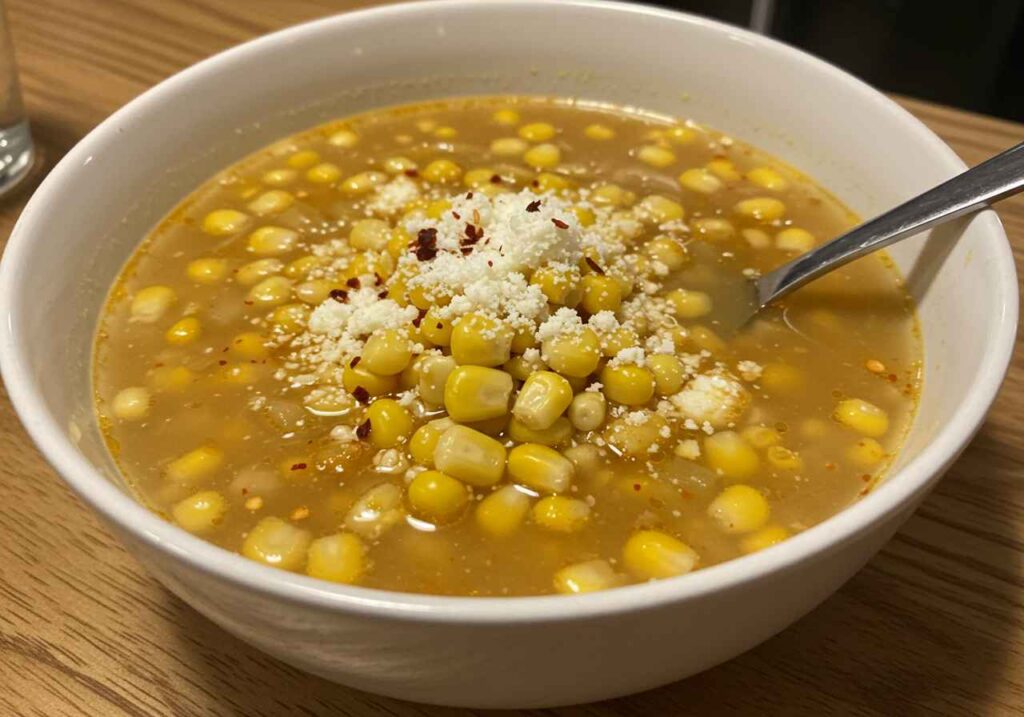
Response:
column 184, row 331
column 313, row 292
column 437, row 497
column 290, row 318
column 249, row 345
column 481, row 340
column 634, row 440
column 225, row 222
column 370, row 235
column 781, row 378
column 723, row 169
column 713, row 228
column 540, row 468
column 616, row 340
column 662, row 209
column 784, row 459
column 599, row 132
column 680, row 135
column 446, row 133
column 600, row 293
column 656, row 156
column 585, row 216
column 200, row 513
column 523, row 339
column 375, row 511
column 761, row 436
column 587, row 411
column 324, row 173
column 423, row 298
column 668, row 252
column 561, row 287
column 387, row 352
column 768, row 178
column 433, row 377
column 479, row 177
column 586, row 457
column 272, row 291
column 557, row 434
column 131, row 404
column 470, row 456
column 476, row 393
column 867, row 452
column 354, row 377
column 863, row 417
column 279, row 177
column 573, row 354
column 171, row 378
column 653, row 555
column 628, row 384
column 492, row 427
column 303, row 158
column 398, row 165
column 362, row 183
column 763, row 538
column 669, row 374
column 390, row 423
column 436, row 330
column 339, row 558
column 740, row 509
column 728, row 453
column 273, row 201
column 442, row 171
column 707, row 339
column 149, row 304
column 240, row 374
column 612, row 194
column 560, row 514
column 542, row 399
column 272, row 241
column 551, row 182
column 543, row 156
column 700, row 180
column 195, row 464
column 207, row 271
column 344, row 138
column 277, row 543
column 537, row 132
column 502, row 512
column 795, row 239
column 424, row 440
column 689, row 304
column 761, row 209
column 519, row 368
column 505, row 116
column 757, row 238
column 256, row 271
column 586, row 577
column 509, row 146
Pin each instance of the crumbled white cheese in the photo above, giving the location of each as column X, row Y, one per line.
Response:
column 714, row 399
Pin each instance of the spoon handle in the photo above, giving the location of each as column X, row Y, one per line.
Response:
column 994, row 179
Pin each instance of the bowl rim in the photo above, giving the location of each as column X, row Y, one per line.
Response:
column 893, row 496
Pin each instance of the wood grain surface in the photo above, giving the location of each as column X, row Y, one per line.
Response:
column 933, row 625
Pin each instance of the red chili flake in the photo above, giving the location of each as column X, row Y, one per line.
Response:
column 866, row 478
column 469, row 195
column 490, row 263
column 354, row 362
column 426, row 244
column 439, row 326
column 893, row 378
column 593, row 265
column 383, row 294
column 248, row 302
column 466, row 250
column 637, row 487
column 830, row 466
column 456, row 215
column 419, row 318
column 535, row 183
column 533, row 206
column 363, row 430
column 339, row 295
column 361, row 394
column 495, row 179
column 226, row 349
column 353, row 283
column 298, row 466
column 473, row 234
column 411, row 173
column 377, row 278
column 559, row 223
column 222, row 362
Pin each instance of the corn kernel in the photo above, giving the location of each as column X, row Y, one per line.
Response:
column 131, row 404
column 433, row 377
column 240, row 374
column 656, row 156
column 375, row 511
column 256, row 271
column 586, row 457
column 761, row 209
column 149, row 304
column 728, row 453
column 502, row 512
column 506, row 117
column 560, row 514
column 561, row 287
column 587, row 411
column 272, row 241
column 369, row 235
column 509, row 146
column 586, row 577
column 387, row 352
column 279, row 177
column 628, row 384
column 479, row 177
column 585, row 216
column 339, row 558
column 207, row 271
column 542, row 399
column 723, row 169
column 557, row 434
column 481, row 340
column 680, row 135
column 424, row 440
column 475, row 393
column 184, row 331
column 669, row 374
column 599, row 132
column 761, row 436
column 196, row 464
column 689, row 304
column 273, row 201
column 390, row 423
column 866, row 452
column 171, row 378
column 768, row 178
column 653, row 555
column 272, row 291
column 201, row 512
column 324, row 173
column 344, row 138
column 540, row 468
column 362, row 183
column 470, row 456
column 551, row 182
column 714, row 228
column 537, row 132
column 662, row 209
column 225, row 222
column 354, row 377
column 573, row 354
column 313, row 292
column 398, row 165
column 442, row 171
column 277, row 543
column 600, row 293
column 543, row 156
column 763, row 538
column 784, row 459
column 863, row 417
column 290, row 318
column 739, row 509
column 795, row 239
column 700, row 180
column 612, row 194
column 303, row 158
column 781, row 378
column 668, row 252
column 635, row 440
column 707, row 339
column 436, row 497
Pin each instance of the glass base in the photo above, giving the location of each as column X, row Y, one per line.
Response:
column 16, row 155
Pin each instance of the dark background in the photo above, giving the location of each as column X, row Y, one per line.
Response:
column 968, row 54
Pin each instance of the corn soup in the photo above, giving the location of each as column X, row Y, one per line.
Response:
column 475, row 347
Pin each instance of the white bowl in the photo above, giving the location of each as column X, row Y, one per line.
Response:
column 89, row 214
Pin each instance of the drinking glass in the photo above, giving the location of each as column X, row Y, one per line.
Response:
column 16, row 152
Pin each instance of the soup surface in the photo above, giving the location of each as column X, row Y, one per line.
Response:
column 476, row 347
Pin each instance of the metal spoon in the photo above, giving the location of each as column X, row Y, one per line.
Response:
column 990, row 181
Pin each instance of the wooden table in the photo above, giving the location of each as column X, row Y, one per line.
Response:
column 934, row 624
